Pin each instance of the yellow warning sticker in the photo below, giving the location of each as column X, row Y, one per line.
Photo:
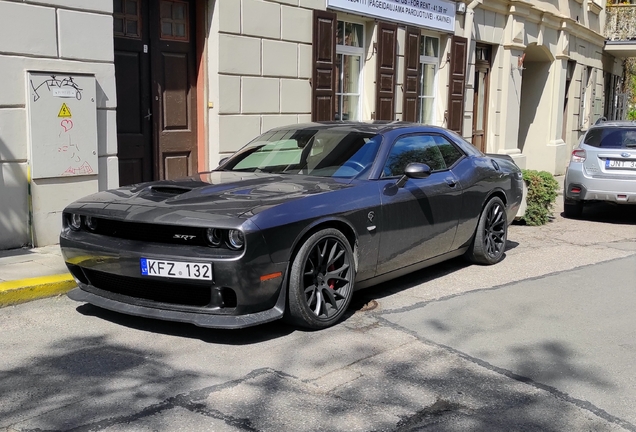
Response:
column 64, row 111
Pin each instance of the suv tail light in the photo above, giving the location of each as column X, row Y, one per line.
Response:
column 578, row 155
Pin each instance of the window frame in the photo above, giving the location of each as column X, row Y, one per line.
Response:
column 428, row 60
column 347, row 50
column 462, row 153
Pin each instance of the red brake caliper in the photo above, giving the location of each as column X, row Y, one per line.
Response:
column 331, row 282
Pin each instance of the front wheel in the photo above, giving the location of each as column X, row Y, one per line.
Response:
column 321, row 280
column 489, row 243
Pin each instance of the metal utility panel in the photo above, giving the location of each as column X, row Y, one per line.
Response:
column 62, row 124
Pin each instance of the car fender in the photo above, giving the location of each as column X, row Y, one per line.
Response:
column 325, row 221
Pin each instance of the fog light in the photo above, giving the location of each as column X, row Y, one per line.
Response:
column 91, row 223
column 75, row 222
column 235, row 239
column 214, row 236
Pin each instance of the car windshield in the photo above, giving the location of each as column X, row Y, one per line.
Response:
column 611, row 137
column 317, row 152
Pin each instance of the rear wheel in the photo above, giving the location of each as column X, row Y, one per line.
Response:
column 321, row 280
column 573, row 209
column 489, row 243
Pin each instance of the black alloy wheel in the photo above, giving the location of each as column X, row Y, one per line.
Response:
column 489, row 243
column 321, row 280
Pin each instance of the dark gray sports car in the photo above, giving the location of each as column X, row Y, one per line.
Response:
column 291, row 225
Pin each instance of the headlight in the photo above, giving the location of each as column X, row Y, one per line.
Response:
column 75, row 222
column 235, row 239
column 214, row 236
column 91, row 223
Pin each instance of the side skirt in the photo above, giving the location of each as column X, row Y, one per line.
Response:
column 409, row 269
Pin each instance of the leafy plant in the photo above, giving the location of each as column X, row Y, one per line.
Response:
column 542, row 194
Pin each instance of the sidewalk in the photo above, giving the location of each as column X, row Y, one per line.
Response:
column 30, row 274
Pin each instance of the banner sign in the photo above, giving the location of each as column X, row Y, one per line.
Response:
column 435, row 14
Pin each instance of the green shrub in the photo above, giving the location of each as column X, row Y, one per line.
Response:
column 542, row 193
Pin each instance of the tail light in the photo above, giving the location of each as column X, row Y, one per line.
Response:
column 578, row 155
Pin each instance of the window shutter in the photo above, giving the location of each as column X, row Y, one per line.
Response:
column 323, row 95
column 457, row 85
column 385, row 73
column 411, row 74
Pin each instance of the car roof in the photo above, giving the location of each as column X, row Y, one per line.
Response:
column 377, row 127
column 615, row 123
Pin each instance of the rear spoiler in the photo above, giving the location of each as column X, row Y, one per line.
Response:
column 500, row 156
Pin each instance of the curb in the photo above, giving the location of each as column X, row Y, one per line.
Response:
column 24, row 290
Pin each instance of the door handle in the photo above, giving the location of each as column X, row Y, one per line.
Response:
column 451, row 182
column 147, row 117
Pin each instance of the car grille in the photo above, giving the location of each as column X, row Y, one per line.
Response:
column 151, row 289
column 151, row 232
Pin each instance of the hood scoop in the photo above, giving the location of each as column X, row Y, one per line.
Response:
column 169, row 190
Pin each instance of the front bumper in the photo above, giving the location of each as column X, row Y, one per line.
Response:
column 107, row 271
column 621, row 190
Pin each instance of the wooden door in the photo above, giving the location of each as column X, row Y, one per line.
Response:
column 386, row 71
column 480, row 100
column 456, row 88
column 174, row 88
column 411, row 75
column 155, row 70
column 132, row 75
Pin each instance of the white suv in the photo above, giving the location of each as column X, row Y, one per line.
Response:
column 602, row 167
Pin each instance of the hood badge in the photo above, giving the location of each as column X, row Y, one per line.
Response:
column 183, row 236
column 371, row 216
column 625, row 154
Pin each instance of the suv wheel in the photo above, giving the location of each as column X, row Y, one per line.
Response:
column 573, row 209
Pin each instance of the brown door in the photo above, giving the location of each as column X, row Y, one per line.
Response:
column 385, row 74
column 480, row 101
column 411, row 74
column 132, row 75
column 456, row 88
column 174, row 87
column 155, row 60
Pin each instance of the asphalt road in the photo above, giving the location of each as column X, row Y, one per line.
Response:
column 543, row 341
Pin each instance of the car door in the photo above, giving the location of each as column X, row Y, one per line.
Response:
column 419, row 220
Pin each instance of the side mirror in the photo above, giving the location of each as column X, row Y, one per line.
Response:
column 222, row 161
column 414, row 170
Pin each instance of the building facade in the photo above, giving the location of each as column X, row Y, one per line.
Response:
column 101, row 93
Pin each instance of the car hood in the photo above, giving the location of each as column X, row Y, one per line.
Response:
column 231, row 194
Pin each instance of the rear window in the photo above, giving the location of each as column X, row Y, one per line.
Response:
column 611, row 137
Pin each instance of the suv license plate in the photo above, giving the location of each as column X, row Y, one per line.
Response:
column 176, row 269
column 613, row 163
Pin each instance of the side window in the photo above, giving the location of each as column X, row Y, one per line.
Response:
column 413, row 148
column 449, row 152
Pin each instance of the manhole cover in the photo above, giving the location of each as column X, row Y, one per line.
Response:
column 369, row 306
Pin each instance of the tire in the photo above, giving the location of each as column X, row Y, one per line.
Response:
column 573, row 209
column 317, row 301
column 489, row 242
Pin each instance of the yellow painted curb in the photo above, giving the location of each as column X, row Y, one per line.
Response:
column 20, row 291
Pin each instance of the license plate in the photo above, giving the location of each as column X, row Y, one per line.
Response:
column 176, row 269
column 614, row 163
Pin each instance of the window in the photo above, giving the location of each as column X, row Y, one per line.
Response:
column 127, row 18
column 429, row 52
column 349, row 57
column 174, row 20
column 322, row 153
column 433, row 150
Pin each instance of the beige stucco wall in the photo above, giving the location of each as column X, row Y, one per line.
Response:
column 561, row 30
column 50, row 36
column 259, row 69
